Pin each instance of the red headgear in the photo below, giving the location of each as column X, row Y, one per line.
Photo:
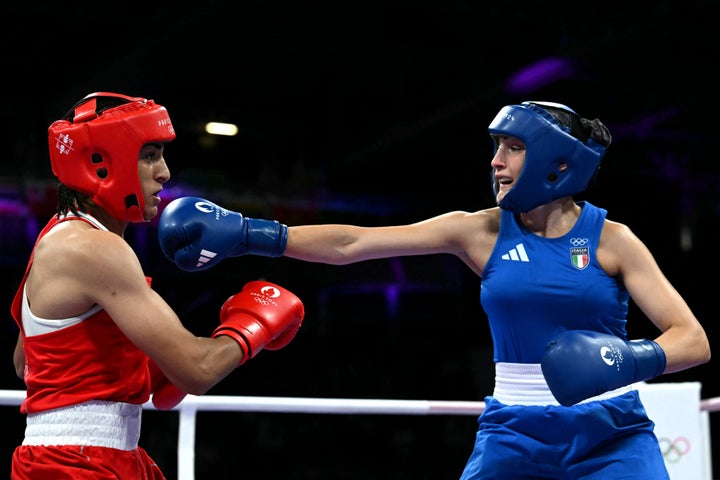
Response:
column 94, row 149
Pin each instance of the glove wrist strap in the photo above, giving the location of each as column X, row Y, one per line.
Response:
column 238, row 337
column 267, row 238
column 649, row 359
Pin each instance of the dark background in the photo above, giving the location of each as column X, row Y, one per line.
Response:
column 371, row 113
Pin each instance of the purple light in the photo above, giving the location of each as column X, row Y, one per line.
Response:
column 539, row 74
column 12, row 207
column 19, row 229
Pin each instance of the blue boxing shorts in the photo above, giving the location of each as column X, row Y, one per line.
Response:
column 598, row 440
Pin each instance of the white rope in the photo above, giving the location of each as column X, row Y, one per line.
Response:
column 347, row 406
column 189, row 407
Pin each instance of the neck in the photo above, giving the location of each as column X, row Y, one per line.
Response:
column 111, row 223
column 553, row 219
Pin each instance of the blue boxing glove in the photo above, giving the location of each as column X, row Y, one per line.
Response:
column 197, row 234
column 581, row 364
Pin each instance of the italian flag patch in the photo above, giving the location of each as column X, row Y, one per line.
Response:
column 580, row 257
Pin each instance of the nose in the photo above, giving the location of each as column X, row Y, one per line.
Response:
column 498, row 160
column 162, row 174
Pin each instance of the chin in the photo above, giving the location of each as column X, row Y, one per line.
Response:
column 150, row 214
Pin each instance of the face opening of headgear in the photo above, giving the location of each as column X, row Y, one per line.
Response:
column 94, row 149
column 563, row 152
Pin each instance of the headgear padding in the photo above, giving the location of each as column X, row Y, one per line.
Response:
column 94, row 149
column 553, row 135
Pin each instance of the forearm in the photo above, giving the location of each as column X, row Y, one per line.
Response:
column 685, row 347
column 331, row 244
column 197, row 368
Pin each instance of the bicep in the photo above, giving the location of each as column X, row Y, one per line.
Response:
column 648, row 286
column 142, row 314
column 192, row 363
column 145, row 318
column 683, row 338
column 117, row 283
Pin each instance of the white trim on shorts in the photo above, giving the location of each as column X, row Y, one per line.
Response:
column 524, row 384
column 94, row 423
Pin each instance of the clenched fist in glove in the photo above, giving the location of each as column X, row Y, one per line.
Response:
column 581, row 364
column 197, row 234
column 262, row 316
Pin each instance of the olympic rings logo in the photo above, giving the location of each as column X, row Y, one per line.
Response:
column 674, row 450
column 577, row 242
column 266, row 296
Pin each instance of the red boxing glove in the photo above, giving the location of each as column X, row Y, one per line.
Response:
column 262, row 316
column 165, row 395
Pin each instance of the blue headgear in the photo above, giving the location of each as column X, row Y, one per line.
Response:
column 553, row 135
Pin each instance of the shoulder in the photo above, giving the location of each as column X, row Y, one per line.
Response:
column 616, row 234
column 78, row 240
column 473, row 233
column 619, row 247
column 461, row 227
column 86, row 254
column 76, row 266
column 488, row 218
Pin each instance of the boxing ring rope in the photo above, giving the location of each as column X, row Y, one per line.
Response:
column 189, row 407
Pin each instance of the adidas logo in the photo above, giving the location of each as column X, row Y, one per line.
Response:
column 516, row 254
column 205, row 257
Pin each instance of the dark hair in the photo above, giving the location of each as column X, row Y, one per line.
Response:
column 580, row 128
column 69, row 201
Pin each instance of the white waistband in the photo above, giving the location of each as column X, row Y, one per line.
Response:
column 524, row 384
column 95, row 423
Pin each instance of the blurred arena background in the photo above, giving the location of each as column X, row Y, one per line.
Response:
column 372, row 113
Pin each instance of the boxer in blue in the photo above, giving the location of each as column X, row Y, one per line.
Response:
column 556, row 280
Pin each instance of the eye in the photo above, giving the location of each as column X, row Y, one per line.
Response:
column 151, row 153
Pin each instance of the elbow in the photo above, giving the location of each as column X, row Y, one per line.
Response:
column 707, row 354
column 690, row 350
column 703, row 347
column 199, row 381
column 19, row 364
column 194, row 387
column 197, row 390
column 197, row 385
column 700, row 348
